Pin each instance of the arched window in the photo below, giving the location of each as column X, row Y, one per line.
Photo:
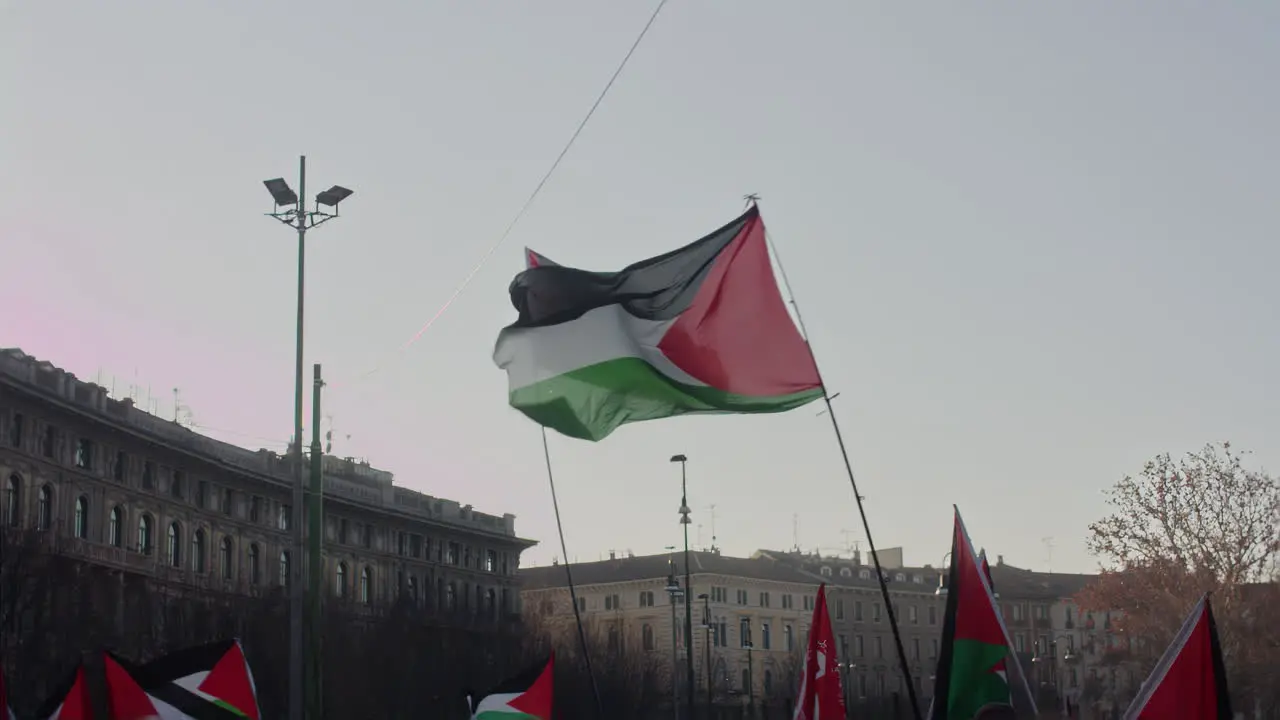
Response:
column 846, row 572
column 646, row 637
column 13, row 501
column 224, row 557
column 340, row 580
column 366, row 583
column 44, row 508
column 284, row 568
column 114, row 525
column 254, row 567
column 145, row 541
column 825, row 571
column 81, row 518
column 175, row 545
column 197, row 551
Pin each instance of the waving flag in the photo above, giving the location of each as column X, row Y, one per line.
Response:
column 820, row 696
column 1190, row 681
column 972, row 671
column 207, row 682
column 702, row 329
column 527, row 696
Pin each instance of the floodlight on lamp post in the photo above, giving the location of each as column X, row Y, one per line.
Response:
column 291, row 209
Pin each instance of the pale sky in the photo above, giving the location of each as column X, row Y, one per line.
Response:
column 1035, row 243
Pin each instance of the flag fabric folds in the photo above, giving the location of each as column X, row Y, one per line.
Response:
column 527, row 696
column 972, row 671
column 701, row 329
column 1190, row 681
column 1002, row 667
column 206, row 682
column 821, row 696
column 125, row 700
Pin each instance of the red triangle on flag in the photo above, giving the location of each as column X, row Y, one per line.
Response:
column 76, row 705
column 229, row 682
column 536, row 701
column 1189, row 682
column 127, row 700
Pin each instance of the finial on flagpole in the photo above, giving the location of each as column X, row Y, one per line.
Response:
column 751, row 198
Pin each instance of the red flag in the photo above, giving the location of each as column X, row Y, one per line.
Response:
column 820, row 696
column 1190, row 681
column 127, row 700
column 1002, row 667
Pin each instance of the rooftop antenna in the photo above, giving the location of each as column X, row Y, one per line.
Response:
column 795, row 531
column 711, row 511
column 849, row 545
column 1048, row 551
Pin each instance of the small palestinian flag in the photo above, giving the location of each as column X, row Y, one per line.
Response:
column 1190, row 681
column 820, row 696
column 526, row 696
column 702, row 329
column 972, row 669
column 1002, row 668
column 207, row 682
column 125, row 700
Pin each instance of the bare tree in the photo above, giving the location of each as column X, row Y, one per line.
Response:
column 1202, row 523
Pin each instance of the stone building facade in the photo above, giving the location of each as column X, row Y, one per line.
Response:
column 126, row 489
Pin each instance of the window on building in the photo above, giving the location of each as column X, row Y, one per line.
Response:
column 744, row 632
column 1020, row 642
column 342, row 530
column 615, row 639
column 646, row 598
column 722, row 634
column 787, row 602
column 719, row 594
column 284, row 519
column 913, row 614
column 413, row 589
column 145, row 541
column 13, row 500
column 197, row 550
column 826, row 571
column 49, row 442
column 285, row 572
column 227, row 502
column 490, row 561
column 933, row 614
column 789, row 638
column 202, row 493
column 119, row 466
column 15, row 430
column 454, row 554
column 842, row 643
column 646, row 637
column 115, row 523
column 612, row 602
column 764, row 599
column 900, row 577
column 839, row 608
column 148, row 475
column 742, row 597
column 44, row 508
column 864, row 574
column 366, row 535
column 80, row 519
column 255, row 564
column 857, row 611
column 859, row 650
column 1016, row 612
column 175, row 545
column 225, row 558
column 84, row 454
column 582, row 604
column 933, row 649
column 846, row 572
column 366, row 586
column 875, row 612
column 255, row 509
column 766, row 639
column 340, row 580
column 879, row 647
column 415, row 546
column 915, row 648
column 177, row 484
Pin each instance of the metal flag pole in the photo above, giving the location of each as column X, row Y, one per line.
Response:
column 568, row 575
column 848, row 466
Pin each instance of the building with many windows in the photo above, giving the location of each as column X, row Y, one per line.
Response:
column 126, row 489
column 760, row 609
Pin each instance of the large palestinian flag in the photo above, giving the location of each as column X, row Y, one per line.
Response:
column 1190, row 681
column 972, row 669
column 207, row 682
column 526, row 696
column 125, row 700
column 702, row 329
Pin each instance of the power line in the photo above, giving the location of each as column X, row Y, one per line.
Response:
column 532, row 196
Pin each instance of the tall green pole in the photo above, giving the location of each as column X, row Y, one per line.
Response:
column 296, row 589
column 315, row 541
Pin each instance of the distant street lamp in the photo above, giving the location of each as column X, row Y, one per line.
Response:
column 688, row 583
column 296, row 215
column 674, row 591
column 706, row 623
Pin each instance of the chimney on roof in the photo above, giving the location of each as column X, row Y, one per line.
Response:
column 1000, row 561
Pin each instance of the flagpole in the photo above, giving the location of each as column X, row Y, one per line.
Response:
column 848, row 466
column 568, row 574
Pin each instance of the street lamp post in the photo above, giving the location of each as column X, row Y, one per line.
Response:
column 296, row 215
column 706, row 624
column 674, row 591
column 688, row 584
